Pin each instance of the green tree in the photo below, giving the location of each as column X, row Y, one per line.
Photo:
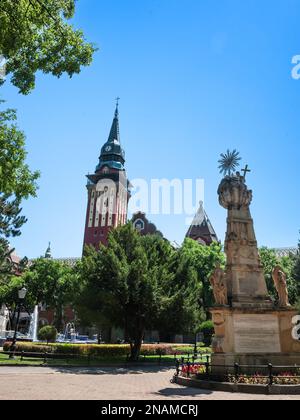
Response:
column 48, row 282
column 181, row 310
column 16, row 179
column 35, row 35
column 178, row 307
column 204, row 260
column 9, row 296
column 16, row 183
column 10, row 224
column 88, row 303
column 141, row 283
column 269, row 260
column 124, row 285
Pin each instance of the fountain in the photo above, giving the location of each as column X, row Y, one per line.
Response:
column 33, row 328
column 71, row 336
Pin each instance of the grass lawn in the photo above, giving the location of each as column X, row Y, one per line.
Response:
column 5, row 360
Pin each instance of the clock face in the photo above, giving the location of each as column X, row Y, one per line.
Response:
column 108, row 148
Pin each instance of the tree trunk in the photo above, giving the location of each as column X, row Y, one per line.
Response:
column 136, row 346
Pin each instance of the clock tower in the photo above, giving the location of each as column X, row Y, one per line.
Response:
column 108, row 190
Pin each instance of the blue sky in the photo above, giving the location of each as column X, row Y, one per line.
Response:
column 195, row 77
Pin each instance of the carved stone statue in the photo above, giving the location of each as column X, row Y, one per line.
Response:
column 219, row 286
column 279, row 278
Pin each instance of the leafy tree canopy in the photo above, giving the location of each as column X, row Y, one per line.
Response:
column 142, row 283
column 121, row 284
column 35, row 35
column 204, row 260
column 48, row 282
column 16, row 182
column 15, row 176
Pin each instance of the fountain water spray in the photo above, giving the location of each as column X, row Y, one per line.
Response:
column 33, row 328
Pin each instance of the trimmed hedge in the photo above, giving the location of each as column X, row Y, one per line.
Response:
column 100, row 351
column 27, row 347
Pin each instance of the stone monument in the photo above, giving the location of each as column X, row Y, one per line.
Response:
column 249, row 328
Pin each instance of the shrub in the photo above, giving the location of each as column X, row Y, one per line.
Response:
column 208, row 330
column 48, row 334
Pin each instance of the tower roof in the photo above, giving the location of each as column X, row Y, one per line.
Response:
column 114, row 135
column 201, row 229
column 48, row 253
column 112, row 154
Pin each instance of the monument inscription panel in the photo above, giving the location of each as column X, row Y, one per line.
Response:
column 256, row 333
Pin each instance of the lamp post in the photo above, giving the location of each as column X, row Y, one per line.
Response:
column 21, row 295
column 196, row 347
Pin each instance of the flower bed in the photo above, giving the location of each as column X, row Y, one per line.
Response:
column 196, row 371
column 284, row 378
column 193, row 370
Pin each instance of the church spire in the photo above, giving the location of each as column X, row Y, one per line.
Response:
column 112, row 155
column 48, row 253
column 114, row 134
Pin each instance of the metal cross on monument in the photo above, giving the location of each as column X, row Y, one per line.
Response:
column 245, row 171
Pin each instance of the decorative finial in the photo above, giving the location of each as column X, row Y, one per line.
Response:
column 117, row 105
column 229, row 162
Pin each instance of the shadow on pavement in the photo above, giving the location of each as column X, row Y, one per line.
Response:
column 182, row 392
column 132, row 370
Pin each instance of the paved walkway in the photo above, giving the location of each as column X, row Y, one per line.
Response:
column 103, row 384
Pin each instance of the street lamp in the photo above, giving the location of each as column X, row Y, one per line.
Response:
column 21, row 295
column 195, row 346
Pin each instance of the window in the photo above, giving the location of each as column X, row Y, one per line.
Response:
column 139, row 225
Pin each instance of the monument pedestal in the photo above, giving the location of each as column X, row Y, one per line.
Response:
column 254, row 336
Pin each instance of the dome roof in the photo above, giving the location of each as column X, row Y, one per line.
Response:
column 112, row 148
